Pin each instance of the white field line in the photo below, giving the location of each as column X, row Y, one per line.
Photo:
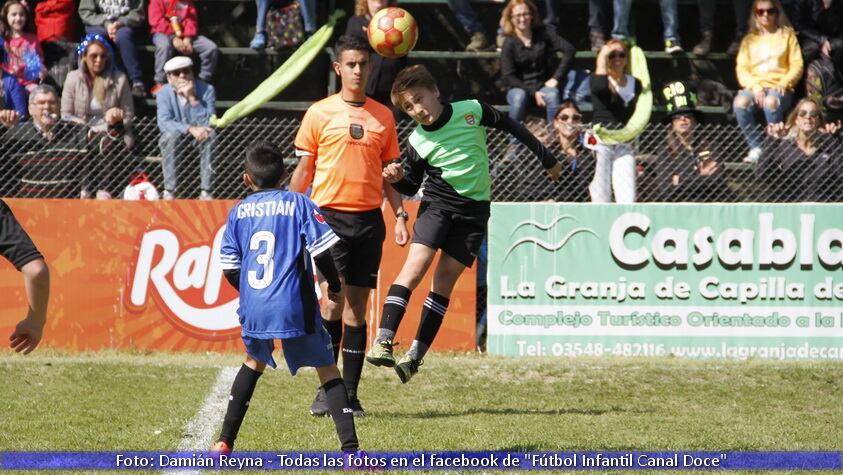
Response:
column 199, row 431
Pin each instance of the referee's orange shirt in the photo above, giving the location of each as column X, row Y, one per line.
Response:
column 350, row 144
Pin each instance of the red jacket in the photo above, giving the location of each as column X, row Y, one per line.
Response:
column 160, row 12
column 55, row 20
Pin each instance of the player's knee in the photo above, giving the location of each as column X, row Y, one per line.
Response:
column 742, row 102
column 772, row 103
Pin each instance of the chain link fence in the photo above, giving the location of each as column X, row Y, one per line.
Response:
column 71, row 159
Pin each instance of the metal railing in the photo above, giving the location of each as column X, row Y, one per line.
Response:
column 73, row 159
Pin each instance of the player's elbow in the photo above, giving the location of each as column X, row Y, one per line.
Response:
column 36, row 271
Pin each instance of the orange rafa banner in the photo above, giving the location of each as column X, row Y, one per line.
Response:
column 145, row 275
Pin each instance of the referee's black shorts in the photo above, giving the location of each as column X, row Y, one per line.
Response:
column 458, row 234
column 358, row 253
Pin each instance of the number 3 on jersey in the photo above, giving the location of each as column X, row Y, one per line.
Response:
column 266, row 259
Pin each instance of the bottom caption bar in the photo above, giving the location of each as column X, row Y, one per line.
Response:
column 422, row 460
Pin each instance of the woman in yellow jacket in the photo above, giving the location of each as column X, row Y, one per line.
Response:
column 769, row 65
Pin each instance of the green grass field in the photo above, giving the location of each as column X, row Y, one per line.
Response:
column 128, row 401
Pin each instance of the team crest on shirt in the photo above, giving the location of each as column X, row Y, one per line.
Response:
column 318, row 217
column 356, row 131
column 470, row 120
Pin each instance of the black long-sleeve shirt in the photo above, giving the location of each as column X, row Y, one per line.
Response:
column 812, row 21
column 609, row 108
column 793, row 176
column 528, row 67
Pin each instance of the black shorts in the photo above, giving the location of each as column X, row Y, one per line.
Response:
column 357, row 255
column 458, row 235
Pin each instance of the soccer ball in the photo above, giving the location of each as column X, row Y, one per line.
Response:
column 393, row 32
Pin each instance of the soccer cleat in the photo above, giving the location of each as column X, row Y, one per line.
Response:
column 381, row 354
column 221, row 447
column 319, row 408
column 356, row 407
column 407, row 367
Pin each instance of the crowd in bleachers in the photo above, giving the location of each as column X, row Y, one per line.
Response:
column 788, row 59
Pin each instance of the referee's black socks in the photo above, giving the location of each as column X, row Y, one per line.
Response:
column 238, row 402
column 394, row 307
column 334, row 328
column 353, row 357
column 341, row 413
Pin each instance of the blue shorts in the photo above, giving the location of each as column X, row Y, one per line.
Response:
column 313, row 350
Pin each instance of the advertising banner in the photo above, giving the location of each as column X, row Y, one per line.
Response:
column 732, row 281
column 145, row 275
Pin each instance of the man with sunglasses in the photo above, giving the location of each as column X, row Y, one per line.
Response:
column 185, row 106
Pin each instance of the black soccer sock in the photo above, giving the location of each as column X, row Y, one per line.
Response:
column 238, row 402
column 341, row 413
column 334, row 328
column 432, row 315
column 353, row 356
column 393, row 311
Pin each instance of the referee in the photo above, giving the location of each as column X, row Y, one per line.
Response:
column 344, row 142
column 17, row 247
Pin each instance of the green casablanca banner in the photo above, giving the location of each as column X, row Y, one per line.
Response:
column 733, row 281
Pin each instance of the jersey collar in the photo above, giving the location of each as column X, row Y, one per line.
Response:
column 444, row 117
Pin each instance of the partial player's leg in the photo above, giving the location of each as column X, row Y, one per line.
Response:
column 354, row 342
column 339, row 406
column 361, row 276
column 418, row 262
column 448, row 270
column 238, row 401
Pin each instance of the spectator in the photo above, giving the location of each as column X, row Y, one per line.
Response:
column 174, row 27
column 119, row 21
column 185, row 106
column 819, row 26
column 471, row 24
column 383, row 70
column 98, row 95
column 55, row 25
column 670, row 23
column 824, row 84
column 598, row 20
column 528, row 58
column 48, row 152
column 24, row 59
column 741, row 9
column 802, row 161
column 614, row 94
column 687, row 165
column 13, row 94
column 768, row 67
column 308, row 14
column 577, row 163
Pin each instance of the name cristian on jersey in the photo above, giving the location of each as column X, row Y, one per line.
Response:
column 265, row 208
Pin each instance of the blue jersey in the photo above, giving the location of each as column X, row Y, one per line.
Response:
column 270, row 237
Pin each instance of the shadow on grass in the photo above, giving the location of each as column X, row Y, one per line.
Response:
column 508, row 411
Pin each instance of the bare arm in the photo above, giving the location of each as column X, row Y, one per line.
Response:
column 303, row 174
column 27, row 334
column 402, row 236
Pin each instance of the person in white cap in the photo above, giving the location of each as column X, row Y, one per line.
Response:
column 185, row 106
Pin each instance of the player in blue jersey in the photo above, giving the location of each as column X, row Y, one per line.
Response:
column 266, row 253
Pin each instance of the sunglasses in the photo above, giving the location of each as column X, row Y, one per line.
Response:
column 566, row 117
column 766, row 11
column 181, row 72
column 812, row 114
column 617, row 55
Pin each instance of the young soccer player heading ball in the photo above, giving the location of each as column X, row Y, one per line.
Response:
column 449, row 145
column 269, row 239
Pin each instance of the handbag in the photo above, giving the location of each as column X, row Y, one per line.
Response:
column 284, row 27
